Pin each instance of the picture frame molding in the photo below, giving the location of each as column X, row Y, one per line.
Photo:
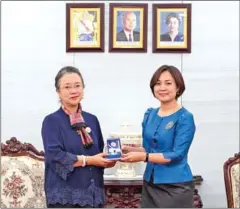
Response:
column 144, row 6
column 101, row 6
column 155, row 7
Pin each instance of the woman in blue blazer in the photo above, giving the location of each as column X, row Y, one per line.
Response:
column 168, row 132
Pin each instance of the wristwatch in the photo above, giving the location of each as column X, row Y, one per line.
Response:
column 146, row 159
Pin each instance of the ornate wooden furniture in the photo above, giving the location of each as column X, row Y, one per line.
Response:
column 22, row 173
column 231, row 169
column 22, row 180
column 127, row 193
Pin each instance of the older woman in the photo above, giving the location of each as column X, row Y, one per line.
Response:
column 73, row 144
column 173, row 22
column 168, row 132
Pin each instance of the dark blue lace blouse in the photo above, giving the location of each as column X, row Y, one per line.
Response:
column 65, row 184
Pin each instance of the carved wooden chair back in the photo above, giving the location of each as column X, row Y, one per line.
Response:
column 22, row 175
column 232, row 180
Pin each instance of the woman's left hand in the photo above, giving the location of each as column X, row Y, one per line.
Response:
column 133, row 157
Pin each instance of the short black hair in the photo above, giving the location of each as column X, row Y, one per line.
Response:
column 175, row 73
column 173, row 14
column 65, row 70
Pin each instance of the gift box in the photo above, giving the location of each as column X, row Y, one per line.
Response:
column 113, row 148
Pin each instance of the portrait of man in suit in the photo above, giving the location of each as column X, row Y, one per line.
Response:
column 128, row 32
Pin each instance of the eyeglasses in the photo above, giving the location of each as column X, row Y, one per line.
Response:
column 70, row 87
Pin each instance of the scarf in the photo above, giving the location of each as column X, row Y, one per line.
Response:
column 78, row 124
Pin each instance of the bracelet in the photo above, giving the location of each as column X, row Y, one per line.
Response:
column 83, row 161
column 146, row 159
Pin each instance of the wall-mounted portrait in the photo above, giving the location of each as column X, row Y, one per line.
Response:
column 128, row 28
column 84, row 27
column 171, row 28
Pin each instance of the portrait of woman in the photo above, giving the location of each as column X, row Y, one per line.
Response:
column 174, row 32
column 172, row 28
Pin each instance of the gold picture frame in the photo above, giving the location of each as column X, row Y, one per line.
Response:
column 84, row 27
column 128, row 19
column 171, row 28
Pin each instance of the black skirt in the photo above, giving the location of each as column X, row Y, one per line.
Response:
column 176, row 195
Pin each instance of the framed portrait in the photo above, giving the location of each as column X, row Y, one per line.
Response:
column 171, row 28
column 85, row 27
column 128, row 27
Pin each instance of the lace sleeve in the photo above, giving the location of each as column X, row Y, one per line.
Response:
column 58, row 159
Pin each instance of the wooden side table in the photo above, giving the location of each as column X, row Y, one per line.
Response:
column 127, row 193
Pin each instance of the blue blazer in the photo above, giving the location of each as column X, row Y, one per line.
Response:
column 172, row 136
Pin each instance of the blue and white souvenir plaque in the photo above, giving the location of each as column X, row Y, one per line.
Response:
column 114, row 149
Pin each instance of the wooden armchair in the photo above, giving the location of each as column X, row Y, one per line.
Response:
column 231, row 170
column 22, row 173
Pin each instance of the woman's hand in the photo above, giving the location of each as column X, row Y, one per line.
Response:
column 100, row 160
column 133, row 157
column 127, row 148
